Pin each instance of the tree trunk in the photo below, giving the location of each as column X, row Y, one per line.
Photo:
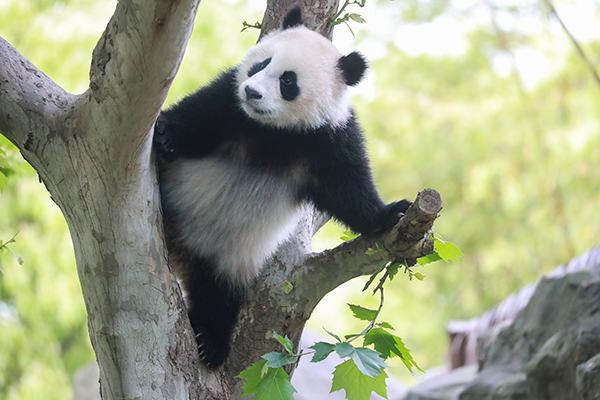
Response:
column 93, row 152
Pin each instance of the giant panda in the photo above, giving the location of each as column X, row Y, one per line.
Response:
column 237, row 159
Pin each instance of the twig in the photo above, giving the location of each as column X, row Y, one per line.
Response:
column 577, row 46
column 372, row 323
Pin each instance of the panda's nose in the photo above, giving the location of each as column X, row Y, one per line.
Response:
column 252, row 94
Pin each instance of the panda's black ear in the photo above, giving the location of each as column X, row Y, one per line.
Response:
column 292, row 18
column 353, row 67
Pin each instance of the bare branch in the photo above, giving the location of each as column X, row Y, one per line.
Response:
column 574, row 41
column 32, row 107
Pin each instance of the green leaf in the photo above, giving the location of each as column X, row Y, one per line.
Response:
column 368, row 361
column 372, row 277
column 285, row 342
column 253, row 375
column 322, row 351
column 407, row 359
column 386, row 325
column 362, row 313
column 428, row 259
column 349, row 235
column 246, row 25
column 393, row 270
column 391, row 346
column 276, row 359
column 446, row 250
column 419, row 276
column 344, row 349
column 275, row 386
column 287, row 287
column 357, row 386
column 357, row 18
column 383, row 341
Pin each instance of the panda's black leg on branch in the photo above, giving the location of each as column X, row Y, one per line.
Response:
column 213, row 308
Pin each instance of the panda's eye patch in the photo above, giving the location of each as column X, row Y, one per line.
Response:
column 288, row 85
column 259, row 66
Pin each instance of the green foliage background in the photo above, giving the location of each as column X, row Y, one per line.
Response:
column 517, row 167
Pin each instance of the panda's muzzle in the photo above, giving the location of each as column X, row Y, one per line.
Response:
column 252, row 94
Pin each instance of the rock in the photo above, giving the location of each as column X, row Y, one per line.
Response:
column 445, row 386
column 587, row 379
column 550, row 351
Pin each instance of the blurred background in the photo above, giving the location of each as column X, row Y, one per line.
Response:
column 487, row 101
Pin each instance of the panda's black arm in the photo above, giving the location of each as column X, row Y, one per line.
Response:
column 350, row 196
column 345, row 187
column 200, row 122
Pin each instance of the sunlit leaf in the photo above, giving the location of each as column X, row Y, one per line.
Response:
column 362, row 313
column 448, row 251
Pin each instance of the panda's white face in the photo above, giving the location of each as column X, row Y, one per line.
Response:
column 291, row 79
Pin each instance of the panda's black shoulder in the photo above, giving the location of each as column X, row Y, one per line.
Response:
column 201, row 121
column 219, row 94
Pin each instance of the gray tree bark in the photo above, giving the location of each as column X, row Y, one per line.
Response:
column 93, row 153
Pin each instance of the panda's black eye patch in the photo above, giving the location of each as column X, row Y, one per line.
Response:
column 288, row 85
column 259, row 66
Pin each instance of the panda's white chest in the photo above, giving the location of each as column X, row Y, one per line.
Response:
column 232, row 213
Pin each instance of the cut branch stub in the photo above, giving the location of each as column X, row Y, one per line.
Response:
column 410, row 237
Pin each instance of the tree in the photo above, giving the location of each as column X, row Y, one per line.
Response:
column 93, row 153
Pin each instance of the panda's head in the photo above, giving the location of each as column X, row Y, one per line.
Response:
column 294, row 78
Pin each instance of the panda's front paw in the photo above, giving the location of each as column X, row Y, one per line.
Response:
column 213, row 351
column 162, row 141
column 394, row 211
column 400, row 207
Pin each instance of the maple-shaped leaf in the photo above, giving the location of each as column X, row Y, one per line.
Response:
column 357, row 385
column 275, row 386
column 253, row 375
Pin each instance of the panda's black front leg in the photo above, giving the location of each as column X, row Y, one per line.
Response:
column 213, row 308
column 349, row 194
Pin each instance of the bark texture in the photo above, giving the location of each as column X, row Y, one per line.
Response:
column 315, row 14
column 93, row 152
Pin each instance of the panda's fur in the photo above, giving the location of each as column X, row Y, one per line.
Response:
column 239, row 157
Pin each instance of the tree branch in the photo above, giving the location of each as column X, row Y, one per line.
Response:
column 408, row 240
column 574, row 41
column 32, row 107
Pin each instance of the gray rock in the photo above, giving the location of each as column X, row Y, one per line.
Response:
column 445, row 386
column 550, row 351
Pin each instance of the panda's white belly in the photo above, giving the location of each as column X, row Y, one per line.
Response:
column 227, row 211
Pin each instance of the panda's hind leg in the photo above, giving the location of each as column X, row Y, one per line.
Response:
column 213, row 308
